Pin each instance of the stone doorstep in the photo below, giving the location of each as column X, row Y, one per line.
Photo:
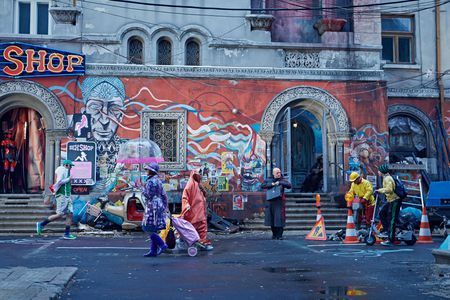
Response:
column 40, row 283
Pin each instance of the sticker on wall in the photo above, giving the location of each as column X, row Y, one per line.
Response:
column 227, row 163
column 238, row 202
column 222, row 184
column 260, row 147
column 81, row 125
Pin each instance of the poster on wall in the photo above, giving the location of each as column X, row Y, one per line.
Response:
column 238, row 202
column 222, row 184
column 83, row 155
column 81, row 125
column 227, row 163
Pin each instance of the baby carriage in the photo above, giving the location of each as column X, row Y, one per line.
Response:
column 187, row 234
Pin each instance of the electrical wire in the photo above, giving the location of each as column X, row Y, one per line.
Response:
column 259, row 9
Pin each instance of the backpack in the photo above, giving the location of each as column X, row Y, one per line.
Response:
column 399, row 189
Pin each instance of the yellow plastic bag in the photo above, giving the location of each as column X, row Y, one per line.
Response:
column 163, row 233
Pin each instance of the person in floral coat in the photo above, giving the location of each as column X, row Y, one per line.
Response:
column 155, row 210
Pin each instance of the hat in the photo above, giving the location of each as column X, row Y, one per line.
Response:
column 384, row 168
column 68, row 162
column 353, row 176
column 154, row 167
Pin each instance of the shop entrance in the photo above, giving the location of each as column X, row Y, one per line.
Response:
column 22, row 151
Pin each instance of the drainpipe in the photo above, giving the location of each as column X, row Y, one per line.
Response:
column 437, row 12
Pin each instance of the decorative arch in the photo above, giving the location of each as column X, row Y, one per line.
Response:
column 48, row 104
column 420, row 117
column 404, row 109
column 320, row 96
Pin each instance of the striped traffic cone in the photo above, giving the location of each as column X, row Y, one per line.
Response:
column 350, row 231
column 319, row 212
column 425, row 232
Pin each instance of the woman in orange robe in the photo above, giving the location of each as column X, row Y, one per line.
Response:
column 193, row 206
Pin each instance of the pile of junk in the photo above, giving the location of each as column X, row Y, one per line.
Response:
column 98, row 213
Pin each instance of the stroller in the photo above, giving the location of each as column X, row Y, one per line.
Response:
column 187, row 234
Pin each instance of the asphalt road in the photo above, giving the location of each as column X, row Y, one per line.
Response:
column 241, row 266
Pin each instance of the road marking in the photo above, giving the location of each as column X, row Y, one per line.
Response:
column 34, row 252
column 332, row 245
column 105, row 248
column 362, row 253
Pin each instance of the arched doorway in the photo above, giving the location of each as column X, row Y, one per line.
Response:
column 22, row 151
column 301, row 124
column 25, row 102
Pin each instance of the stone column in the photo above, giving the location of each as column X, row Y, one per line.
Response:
column 267, row 136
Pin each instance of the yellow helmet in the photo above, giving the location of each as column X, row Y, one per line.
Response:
column 353, row 176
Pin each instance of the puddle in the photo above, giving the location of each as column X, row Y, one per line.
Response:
column 286, row 270
column 341, row 292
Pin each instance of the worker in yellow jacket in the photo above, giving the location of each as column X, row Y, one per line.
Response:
column 393, row 203
column 363, row 189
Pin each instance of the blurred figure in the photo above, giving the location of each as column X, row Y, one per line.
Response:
column 155, row 210
column 193, row 206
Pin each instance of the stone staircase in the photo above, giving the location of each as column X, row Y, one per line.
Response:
column 20, row 212
column 301, row 213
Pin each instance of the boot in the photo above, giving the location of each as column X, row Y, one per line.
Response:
column 159, row 242
column 153, row 248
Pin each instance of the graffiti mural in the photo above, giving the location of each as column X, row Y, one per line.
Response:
column 368, row 150
column 226, row 147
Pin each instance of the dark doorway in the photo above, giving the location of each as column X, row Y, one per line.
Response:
column 296, row 144
column 22, row 152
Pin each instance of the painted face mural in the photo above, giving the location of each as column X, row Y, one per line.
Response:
column 104, row 101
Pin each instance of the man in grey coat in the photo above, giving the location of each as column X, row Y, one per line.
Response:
column 275, row 210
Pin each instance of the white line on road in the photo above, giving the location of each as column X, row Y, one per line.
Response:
column 99, row 248
column 332, row 245
column 34, row 252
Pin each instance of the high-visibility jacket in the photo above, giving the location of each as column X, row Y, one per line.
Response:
column 363, row 190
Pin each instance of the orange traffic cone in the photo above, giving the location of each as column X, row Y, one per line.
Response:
column 425, row 232
column 319, row 213
column 318, row 232
column 350, row 231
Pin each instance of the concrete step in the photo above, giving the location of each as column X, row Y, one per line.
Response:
column 329, row 228
column 29, row 224
column 23, row 206
column 35, row 211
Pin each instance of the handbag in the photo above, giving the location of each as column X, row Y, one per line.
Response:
column 273, row 193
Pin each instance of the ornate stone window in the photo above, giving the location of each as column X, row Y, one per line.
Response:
column 135, row 51
column 168, row 130
column 164, row 56
column 192, row 53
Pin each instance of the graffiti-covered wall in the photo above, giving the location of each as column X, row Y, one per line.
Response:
column 222, row 127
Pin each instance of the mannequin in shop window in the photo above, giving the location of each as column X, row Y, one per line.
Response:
column 9, row 158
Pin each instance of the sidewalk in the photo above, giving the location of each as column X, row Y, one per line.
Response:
column 41, row 283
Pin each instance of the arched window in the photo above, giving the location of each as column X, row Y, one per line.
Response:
column 192, row 54
column 135, row 51
column 164, row 52
column 407, row 137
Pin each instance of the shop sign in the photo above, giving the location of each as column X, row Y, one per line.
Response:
column 83, row 155
column 20, row 60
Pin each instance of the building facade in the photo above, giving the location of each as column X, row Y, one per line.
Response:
column 234, row 92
